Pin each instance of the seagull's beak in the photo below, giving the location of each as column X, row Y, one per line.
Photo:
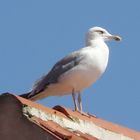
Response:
column 114, row 37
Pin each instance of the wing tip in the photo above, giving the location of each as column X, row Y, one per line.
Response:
column 25, row 95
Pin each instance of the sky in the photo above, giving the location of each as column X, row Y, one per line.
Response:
column 34, row 34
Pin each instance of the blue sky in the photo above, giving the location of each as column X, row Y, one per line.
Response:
column 35, row 34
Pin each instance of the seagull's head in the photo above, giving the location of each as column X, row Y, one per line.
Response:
column 100, row 33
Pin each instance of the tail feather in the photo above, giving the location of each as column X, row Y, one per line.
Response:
column 29, row 96
column 25, row 95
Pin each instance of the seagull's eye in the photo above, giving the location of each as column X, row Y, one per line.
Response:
column 100, row 31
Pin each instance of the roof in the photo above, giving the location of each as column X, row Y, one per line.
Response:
column 68, row 124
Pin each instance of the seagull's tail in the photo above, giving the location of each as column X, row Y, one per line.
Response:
column 31, row 96
column 25, row 95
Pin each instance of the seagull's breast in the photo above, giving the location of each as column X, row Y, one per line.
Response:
column 91, row 67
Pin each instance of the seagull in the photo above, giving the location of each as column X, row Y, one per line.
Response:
column 76, row 71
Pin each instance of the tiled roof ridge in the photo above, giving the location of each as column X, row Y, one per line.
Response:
column 99, row 122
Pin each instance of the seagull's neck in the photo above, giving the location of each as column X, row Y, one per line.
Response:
column 95, row 42
column 100, row 51
column 99, row 45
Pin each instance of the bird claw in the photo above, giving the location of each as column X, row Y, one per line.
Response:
column 84, row 113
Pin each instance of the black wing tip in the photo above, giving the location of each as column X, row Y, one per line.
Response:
column 25, row 95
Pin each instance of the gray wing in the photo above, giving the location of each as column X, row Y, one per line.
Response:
column 58, row 69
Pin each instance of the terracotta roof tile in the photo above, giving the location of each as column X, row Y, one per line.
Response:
column 63, row 133
column 54, row 128
column 58, row 130
column 85, row 136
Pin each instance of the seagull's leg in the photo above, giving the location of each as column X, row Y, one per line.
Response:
column 74, row 100
column 80, row 102
column 80, row 106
